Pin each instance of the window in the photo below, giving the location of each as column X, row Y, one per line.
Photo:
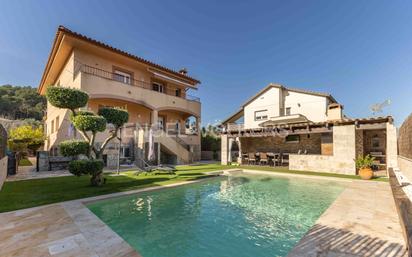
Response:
column 376, row 142
column 52, row 127
column 122, row 77
column 261, row 115
column 178, row 92
column 292, row 139
column 57, row 123
column 157, row 87
column 124, row 107
column 287, row 111
column 125, row 151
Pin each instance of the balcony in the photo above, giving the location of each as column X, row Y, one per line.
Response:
column 234, row 127
column 104, row 84
column 132, row 82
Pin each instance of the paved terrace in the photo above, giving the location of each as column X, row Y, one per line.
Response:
column 361, row 222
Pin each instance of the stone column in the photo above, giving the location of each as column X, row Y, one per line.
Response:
column 239, row 144
column 344, row 149
column 139, row 146
column 230, row 143
column 391, row 146
column 154, row 117
column 224, row 149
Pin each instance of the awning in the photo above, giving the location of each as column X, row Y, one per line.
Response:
column 170, row 79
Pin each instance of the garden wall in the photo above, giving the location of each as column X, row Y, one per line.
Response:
column 3, row 171
column 405, row 148
column 3, row 141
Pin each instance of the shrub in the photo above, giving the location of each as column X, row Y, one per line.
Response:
column 69, row 98
column 72, row 148
column 364, row 162
column 85, row 113
column 92, row 123
column 115, row 116
column 91, row 167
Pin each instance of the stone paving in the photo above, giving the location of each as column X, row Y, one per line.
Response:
column 361, row 222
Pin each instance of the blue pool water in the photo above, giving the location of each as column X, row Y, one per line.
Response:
column 243, row 216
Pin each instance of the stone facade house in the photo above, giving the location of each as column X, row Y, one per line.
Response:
column 310, row 129
column 155, row 96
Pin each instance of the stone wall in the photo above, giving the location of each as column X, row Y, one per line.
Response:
column 309, row 142
column 321, row 163
column 405, row 148
column 224, row 149
column 3, row 171
column 208, row 156
column 3, row 141
column 342, row 161
column 359, row 142
column 405, row 165
column 405, row 138
column 391, row 146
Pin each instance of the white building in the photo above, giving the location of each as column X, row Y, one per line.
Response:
column 305, row 130
column 278, row 103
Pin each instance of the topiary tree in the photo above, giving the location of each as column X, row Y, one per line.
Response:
column 88, row 124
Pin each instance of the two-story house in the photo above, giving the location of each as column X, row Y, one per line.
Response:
column 305, row 130
column 151, row 93
column 277, row 103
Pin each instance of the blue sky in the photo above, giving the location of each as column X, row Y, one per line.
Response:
column 359, row 51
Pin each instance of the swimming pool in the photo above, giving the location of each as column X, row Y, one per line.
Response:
column 241, row 215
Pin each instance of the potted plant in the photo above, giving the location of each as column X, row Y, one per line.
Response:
column 364, row 165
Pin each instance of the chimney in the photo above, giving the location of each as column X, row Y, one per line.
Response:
column 335, row 112
column 183, row 71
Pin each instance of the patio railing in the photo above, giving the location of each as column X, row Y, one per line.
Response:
column 234, row 127
column 130, row 81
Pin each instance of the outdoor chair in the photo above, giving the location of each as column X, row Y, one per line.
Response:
column 245, row 158
column 263, row 158
column 285, row 159
column 251, row 158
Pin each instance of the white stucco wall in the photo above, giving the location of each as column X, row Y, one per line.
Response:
column 312, row 106
column 267, row 101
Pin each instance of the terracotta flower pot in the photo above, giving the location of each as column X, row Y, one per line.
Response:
column 366, row 173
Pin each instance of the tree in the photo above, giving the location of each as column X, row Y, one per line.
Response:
column 210, row 141
column 88, row 124
column 21, row 103
column 24, row 138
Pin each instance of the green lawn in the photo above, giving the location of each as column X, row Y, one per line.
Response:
column 29, row 193
column 25, row 162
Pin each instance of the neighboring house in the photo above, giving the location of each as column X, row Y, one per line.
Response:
column 152, row 94
column 307, row 131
